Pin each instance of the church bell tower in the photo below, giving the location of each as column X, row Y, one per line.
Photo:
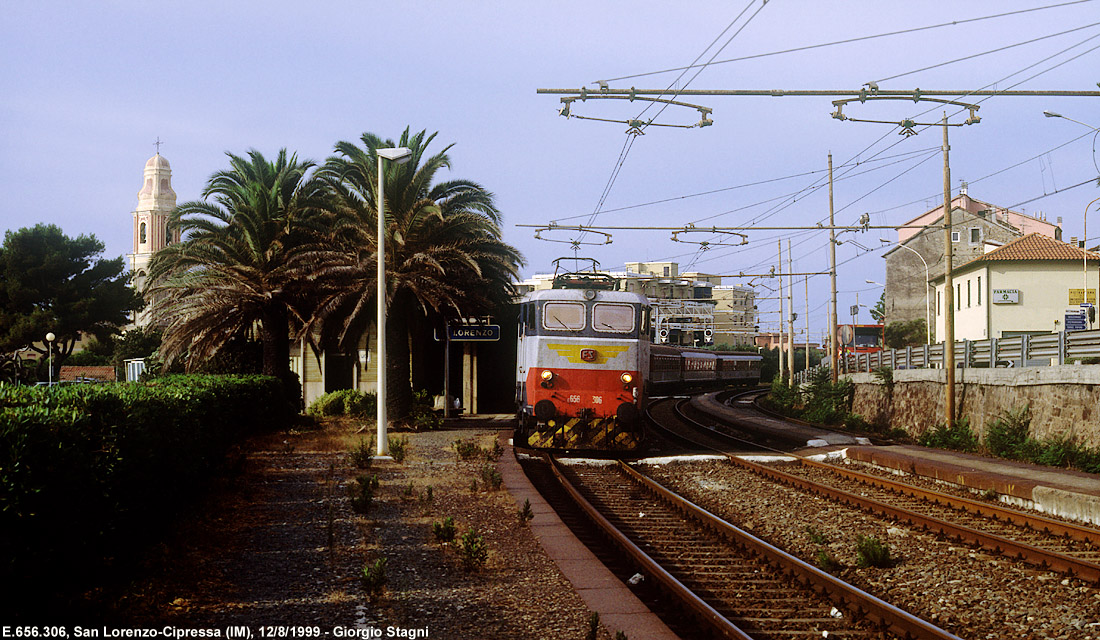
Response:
column 156, row 201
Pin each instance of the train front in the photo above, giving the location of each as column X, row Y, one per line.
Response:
column 582, row 357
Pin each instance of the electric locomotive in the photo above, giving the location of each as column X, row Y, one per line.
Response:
column 582, row 365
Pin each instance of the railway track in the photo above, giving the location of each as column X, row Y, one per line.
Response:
column 735, row 584
column 1037, row 540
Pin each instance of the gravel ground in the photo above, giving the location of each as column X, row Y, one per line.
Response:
column 969, row 592
column 282, row 546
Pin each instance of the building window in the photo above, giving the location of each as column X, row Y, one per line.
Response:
column 958, row 297
column 968, row 294
column 939, row 311
column 666, row 272
column 141, row 233
column 954, row 236
column 975, row 235
column 979, row 290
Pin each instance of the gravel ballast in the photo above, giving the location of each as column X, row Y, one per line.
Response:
column 971, row 593
column 282, row 546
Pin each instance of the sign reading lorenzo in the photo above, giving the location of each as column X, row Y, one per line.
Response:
column 474, row 332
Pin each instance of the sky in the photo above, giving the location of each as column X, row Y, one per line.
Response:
column 88, row 88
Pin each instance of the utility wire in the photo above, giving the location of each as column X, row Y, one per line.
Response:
column 851, row 40
column 985, row 53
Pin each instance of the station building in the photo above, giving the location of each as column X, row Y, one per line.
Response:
column 1025, row 287
column 918, row 259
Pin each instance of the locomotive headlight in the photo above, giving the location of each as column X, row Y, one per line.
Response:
column 547, row 378
column 626, row 378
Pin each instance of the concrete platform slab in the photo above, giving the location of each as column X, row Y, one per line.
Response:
column 602, row 592
column 1063, row 492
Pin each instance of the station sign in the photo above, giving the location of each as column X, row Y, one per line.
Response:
column 473, row 332
column 1006, row 296
column 1077, row 296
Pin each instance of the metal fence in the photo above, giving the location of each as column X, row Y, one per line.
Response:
column 1020, row 351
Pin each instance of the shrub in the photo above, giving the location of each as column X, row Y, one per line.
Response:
column 957, row 438
column 344, row 402
column 422, row 416
column 87, row 471
column 399, row 448
column 525, row 514
column 593, row 626
column 816, row 536
column 1009, row 433
column 473, row 550
column 783, row 397
column 362, row 493
column 362, row 454
column 885, row 377
column 491, row 477
column 826, row 561
column 467, row 449
column 444, row 531
column 871, row 552
column 374, row 578
column 826, row 402
column 493, row 454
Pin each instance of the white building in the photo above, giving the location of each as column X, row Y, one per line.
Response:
column 1024, row 287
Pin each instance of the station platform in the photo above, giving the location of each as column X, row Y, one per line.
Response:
column 495, row 421
column 798, row 434
column 602, row 592
column 1062, row 492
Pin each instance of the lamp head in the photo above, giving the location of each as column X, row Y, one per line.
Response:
column 1051, row 114
column 398, row 155
column 50, row 337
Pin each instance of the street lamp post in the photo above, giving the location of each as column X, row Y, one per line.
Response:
column 1085, row 220
column 398, row 155
column 50, row 337
column 927, row 297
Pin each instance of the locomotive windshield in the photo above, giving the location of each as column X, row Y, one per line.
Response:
column 563, row 315
column 616, row 318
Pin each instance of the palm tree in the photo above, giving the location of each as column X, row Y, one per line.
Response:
column 243, row 262
column 444, row 252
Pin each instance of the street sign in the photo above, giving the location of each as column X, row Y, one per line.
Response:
column 473, row 332
column 1006, row 296
column 1075, row 320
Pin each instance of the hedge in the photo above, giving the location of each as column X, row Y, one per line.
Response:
column 87, row 471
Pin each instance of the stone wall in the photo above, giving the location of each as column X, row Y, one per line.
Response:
column 1064, row 400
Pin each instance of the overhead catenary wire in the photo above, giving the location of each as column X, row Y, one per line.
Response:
column 887, row 34
column 632, row 134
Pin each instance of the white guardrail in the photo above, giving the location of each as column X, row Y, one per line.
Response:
column 1020, row 351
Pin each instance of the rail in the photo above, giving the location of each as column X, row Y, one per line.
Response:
column 1038, row 350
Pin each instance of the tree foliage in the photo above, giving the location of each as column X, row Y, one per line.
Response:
column 242, row 262
column 50, row 282
column 444, row 250
column 902, row 334
column 878, row 312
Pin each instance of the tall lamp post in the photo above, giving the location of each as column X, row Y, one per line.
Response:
column 927, row 297
column 397, row 155
column 1085, row 220
column 50, row 337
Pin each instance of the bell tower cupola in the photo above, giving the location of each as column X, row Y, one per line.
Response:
column 152, row 231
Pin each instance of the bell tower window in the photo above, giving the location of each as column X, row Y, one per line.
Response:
column 141, row 233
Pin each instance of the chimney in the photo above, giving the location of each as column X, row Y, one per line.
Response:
column 963, row 188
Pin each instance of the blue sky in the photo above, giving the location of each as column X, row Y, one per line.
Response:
column 89, row 87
